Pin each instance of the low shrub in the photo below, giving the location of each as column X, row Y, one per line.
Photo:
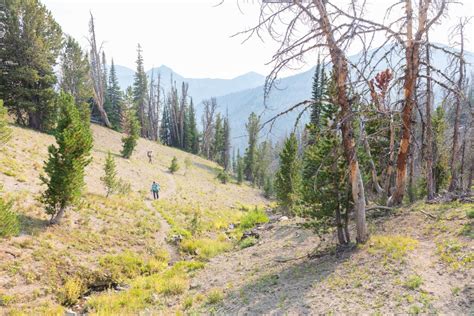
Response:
column 129, row 265
column 214, row 296
column 71, row 291
column 9, row 221
column 247, row 242
column 252, row 218
column 413, row 282
column 391, row 247
column 204, row 248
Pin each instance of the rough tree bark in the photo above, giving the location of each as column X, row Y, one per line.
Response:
column 340, row 69
column 429, row 128
column 97, row 75
column 412, row 51
column 454, row 183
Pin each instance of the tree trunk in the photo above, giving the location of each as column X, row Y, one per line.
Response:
column 391, row 157
column 411, row 69
column 373, row 170
column 454, row 183
column 341, row 72
column 58, row 217
column 429, row 130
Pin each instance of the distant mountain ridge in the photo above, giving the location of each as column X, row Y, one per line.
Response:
column 199, row 88
column 245, row 94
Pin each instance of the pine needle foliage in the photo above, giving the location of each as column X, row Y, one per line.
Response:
column 67, row 159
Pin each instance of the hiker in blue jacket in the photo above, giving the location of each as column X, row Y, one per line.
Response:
column 155, row 189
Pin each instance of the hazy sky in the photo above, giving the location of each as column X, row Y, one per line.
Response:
column 192, row 37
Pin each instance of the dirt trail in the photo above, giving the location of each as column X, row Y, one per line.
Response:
column 165, row 228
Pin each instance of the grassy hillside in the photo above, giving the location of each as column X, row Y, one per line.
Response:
column 106, row 241
column 110, row 256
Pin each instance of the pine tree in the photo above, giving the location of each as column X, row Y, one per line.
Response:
column 268, row 189
column 325, row 191
column 67, row 160
column 174, row 165
column 226, row 145
column 75, row 78
column 140, row 93
column 115, row 99
column 110, row 178
column 263, row 161
column 240, row 168
column 31, row 45
column 132, row 129
column 193, row 131
column 288, row 177
column 218, row 144
column 318, row 96
column 165, row 128
column 250, row 158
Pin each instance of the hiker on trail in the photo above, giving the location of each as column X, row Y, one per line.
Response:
column 149, row 153
column 155, row 189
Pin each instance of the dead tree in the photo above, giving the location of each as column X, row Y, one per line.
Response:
column 208, row 124
column 459, row 99
column 97, row 74
column 307, row 27
column 429, row 128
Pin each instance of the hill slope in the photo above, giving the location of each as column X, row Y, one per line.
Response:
column 110, row 256
column 46, row 265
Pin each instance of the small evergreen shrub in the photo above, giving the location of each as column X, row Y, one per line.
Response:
column 110, row 178
column 132, row 129
column 174, row 165
column 223, row 176
column 9, row 221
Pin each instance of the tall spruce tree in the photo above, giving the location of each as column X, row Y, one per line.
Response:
column 115, row 99
column 288, row 176
column 140, row 93
column 193, row 131
column 250, row 159
column 318, row 96
column 240, row 168
column 75, row 78
column 325, row 190
column 31, row 45
column 218, row 144
column 226, row 145
column 165, row 128
column 67, row 160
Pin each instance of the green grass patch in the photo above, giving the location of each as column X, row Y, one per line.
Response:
column 129, row 265
column 214, row 296
column 252, row 218
column 391, row 247
column 248, row 242
column 455, row 254
column 144, row 291
column 413, row 282
column 205, row 248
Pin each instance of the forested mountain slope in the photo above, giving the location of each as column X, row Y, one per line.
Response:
column 110, row 256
